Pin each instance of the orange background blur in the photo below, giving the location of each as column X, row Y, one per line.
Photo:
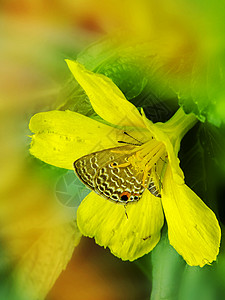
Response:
column 36, row 37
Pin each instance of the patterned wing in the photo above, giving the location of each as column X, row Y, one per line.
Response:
column 103, row 172
column 87, row 166
column 99, row 172
column 120, row 184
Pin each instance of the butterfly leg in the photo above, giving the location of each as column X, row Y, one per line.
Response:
column 146, row 174
column 163, row 168
column 125, row 208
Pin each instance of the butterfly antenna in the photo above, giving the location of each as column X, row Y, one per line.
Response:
column 133, row 137
column 159, row 178
column 163, row 160
column 122, row 142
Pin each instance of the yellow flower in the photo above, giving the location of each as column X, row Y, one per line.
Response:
column 62, row 137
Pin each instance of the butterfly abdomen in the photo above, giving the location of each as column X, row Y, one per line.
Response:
column 153, row 189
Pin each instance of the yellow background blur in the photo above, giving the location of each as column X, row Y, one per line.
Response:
column 35, row 38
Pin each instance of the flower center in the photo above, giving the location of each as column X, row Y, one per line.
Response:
column 147, row 157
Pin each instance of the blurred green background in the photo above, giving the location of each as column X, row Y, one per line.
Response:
column 162, row 56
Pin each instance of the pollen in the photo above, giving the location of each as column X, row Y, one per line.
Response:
column 147, row 156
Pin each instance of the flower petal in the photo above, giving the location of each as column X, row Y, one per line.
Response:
column 61, row 137
column 193, row 229
column 159, row 134
column 106, row 98
column 128, row 237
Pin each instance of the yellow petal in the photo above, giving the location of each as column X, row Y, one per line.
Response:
column 157, row 131
column 128, row 237
column 106, row 98
column 193, row 229
column 61, row 137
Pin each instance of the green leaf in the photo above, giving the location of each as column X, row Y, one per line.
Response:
column 167, row 270
column 144, row 263
column 119, row 62
column 203, row 162
column 204, row 283
column 126, row 74
column 213, row 141
column 199, row 283
column 132, row 68
column 157, row 107
column 72, row 97
column 204, row 93
column 97, row 53
column 201, row 88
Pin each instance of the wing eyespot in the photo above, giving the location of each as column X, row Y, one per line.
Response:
column 125, row 196
column 113, row 164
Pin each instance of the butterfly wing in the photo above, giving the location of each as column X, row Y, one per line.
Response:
column 87, row 166
column 120, row 184
column 99, row 172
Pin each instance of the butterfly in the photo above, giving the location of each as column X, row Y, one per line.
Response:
column 104, row 173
